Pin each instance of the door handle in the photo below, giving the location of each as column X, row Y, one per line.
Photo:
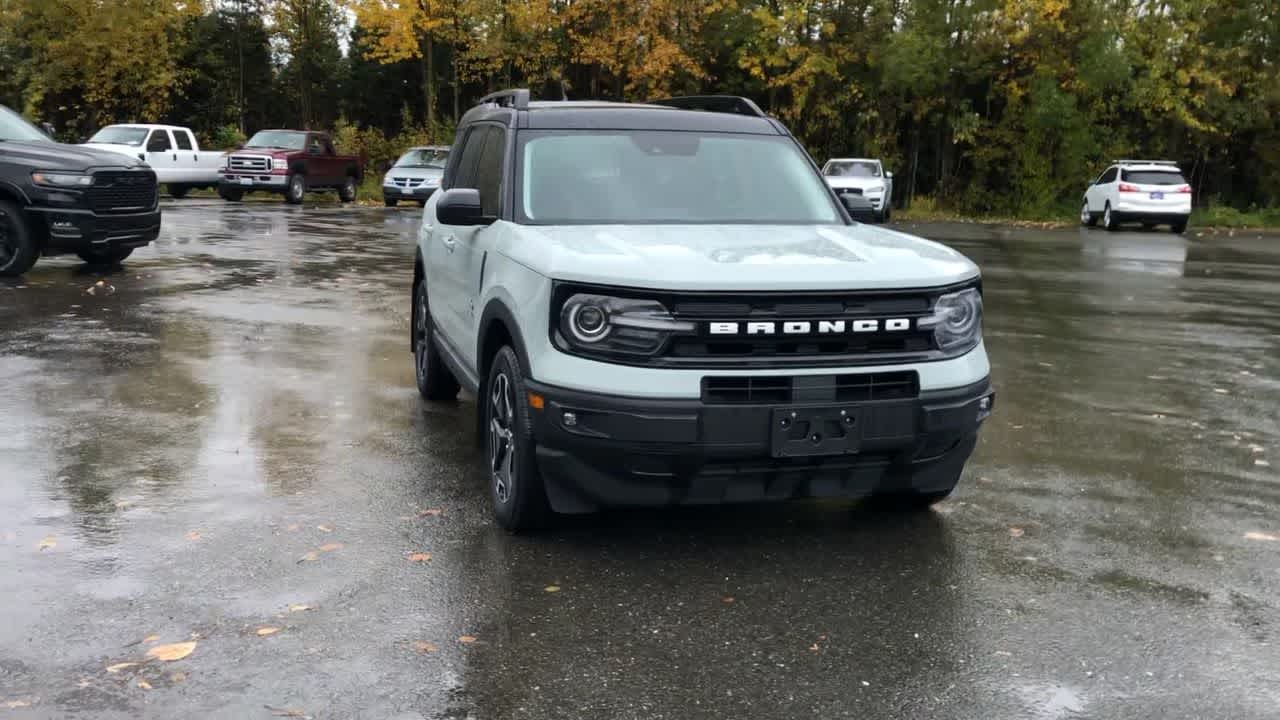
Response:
column 175, row 157
column 449, row 241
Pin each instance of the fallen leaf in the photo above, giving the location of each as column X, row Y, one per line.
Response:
column 727, row 599
column 15, row 704
column 308, row 557
column 1222, row 391
column 144, row 684
column 466, row 639
column 193, row 535
column 150, row 639
column 267, row 630
column 287, row 712
column 330, row 547
column 1261, row 536
column 552, row 588
column 423, row 647
column 178, row 677
column 120, row 666
column 48, row 541
column 420, row 557
column 814, row 648
column 324, row 528
column 171, row 652
column 431, row 512
column 298, row 607
column 1016, row 532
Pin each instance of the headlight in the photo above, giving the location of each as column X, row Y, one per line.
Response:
column 61, row 179
column 876, row 188
column 387, row 180
column 614, row 325
column 956, row 319
column 432, row 181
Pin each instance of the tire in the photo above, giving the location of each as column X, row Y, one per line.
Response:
column 177, row 192
column 888, row 212
column 105, row 258
column 435, row 380
column 515, row 483
column 347, row 193
column 422, row 203
column 1086, row 218
column 231, row 194
column 1179, row 227
column 390, row 202
column 296, row 189
column 1108, row 220
column 18, row 249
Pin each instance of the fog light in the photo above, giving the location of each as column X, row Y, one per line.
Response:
column 985, row 406
column 570, row 419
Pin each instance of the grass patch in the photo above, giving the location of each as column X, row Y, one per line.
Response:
column 1225, row 216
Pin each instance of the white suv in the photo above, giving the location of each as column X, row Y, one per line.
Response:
column 865, row 177
column 1150, row 192
column 664, row 304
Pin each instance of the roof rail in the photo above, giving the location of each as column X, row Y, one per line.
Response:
column 714, row 103
column 1146, row 162
column 517, row 98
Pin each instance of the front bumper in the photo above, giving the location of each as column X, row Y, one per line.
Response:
column 641, row 452
column 249, row 182
column 392, row 192
column 76, row 230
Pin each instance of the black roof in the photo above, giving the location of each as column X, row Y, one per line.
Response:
column 513, row 108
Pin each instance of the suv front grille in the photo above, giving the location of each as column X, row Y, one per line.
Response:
column 122, row 191
column 848, row 191
column 781, row 389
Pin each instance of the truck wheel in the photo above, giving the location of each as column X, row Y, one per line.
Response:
column 515, row 484
column 390, row 202
column 18, row 251
column 108, row 257
column 177, row 192
column 297, row 189
column 435, row 380
column 230, row 194
column 347, row 193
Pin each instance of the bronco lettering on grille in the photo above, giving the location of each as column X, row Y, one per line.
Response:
column 809, row 327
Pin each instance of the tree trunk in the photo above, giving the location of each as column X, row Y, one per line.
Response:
column 429, row 81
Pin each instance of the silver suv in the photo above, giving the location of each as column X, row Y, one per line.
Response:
column 663, row 303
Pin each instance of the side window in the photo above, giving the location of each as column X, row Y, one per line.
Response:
column 183, row 139
column 314, row 146
column 489, row 172
column 1108, row 176
column 328, row 146
column 464, row 173
column 159, row 141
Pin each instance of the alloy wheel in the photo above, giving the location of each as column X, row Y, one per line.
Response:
column 502, row 438
column 421, row 334
column 1084, row 214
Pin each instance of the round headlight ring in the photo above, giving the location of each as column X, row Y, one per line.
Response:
column 588, row 322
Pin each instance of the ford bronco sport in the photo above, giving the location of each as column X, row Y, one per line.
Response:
column 664, row 303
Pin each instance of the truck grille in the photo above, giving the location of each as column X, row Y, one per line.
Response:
column 122, row 191
column 249, row 163
column 775, row 389
column 408, row 183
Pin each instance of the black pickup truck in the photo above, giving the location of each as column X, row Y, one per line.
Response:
column 57, row 199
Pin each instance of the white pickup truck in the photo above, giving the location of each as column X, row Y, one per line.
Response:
column 173, row 153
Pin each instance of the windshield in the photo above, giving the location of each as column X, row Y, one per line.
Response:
column 424, row 158
column 120, row 135
column 645, row 177
column 852, row 168
column 1154, row 177
column 14, row 127
column 285, row 139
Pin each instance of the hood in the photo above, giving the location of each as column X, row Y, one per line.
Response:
column 415, row 172
column 862, row 183
column 55, row 156
column 264, row 152
column 739, row 257
column 132, row 151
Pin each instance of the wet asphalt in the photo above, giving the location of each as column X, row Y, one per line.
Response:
column 221, row 443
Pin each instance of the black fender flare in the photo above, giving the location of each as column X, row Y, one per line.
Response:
column 496, row 312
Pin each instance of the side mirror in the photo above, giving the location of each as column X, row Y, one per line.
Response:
column 859, row 208
column 888, row 174
column 461, row 206
column 47, row 128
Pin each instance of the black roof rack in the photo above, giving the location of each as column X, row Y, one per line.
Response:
column 517, row 98
column 714, row 103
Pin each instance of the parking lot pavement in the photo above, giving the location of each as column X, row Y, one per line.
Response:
column 220, row 445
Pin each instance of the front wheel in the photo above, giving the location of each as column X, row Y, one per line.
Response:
column 106, row 257
column 296, row 189
column 231, row 194
column 18, row 251
column 515, row 484
column 177, row 192
column 435, row 380
column 347, row 193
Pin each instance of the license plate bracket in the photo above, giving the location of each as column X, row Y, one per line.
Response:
column 246, row 181
column 815, row 431
column 1157, row 195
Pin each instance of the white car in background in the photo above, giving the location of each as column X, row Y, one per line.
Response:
column 1150, row 192
column 862, row 176
column 171, row 151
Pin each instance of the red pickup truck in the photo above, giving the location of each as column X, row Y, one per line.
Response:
column 289, row 162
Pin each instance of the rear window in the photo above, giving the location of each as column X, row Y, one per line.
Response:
column 1154, row 177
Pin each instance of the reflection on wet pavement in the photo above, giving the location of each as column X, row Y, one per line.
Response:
column 226, row 430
